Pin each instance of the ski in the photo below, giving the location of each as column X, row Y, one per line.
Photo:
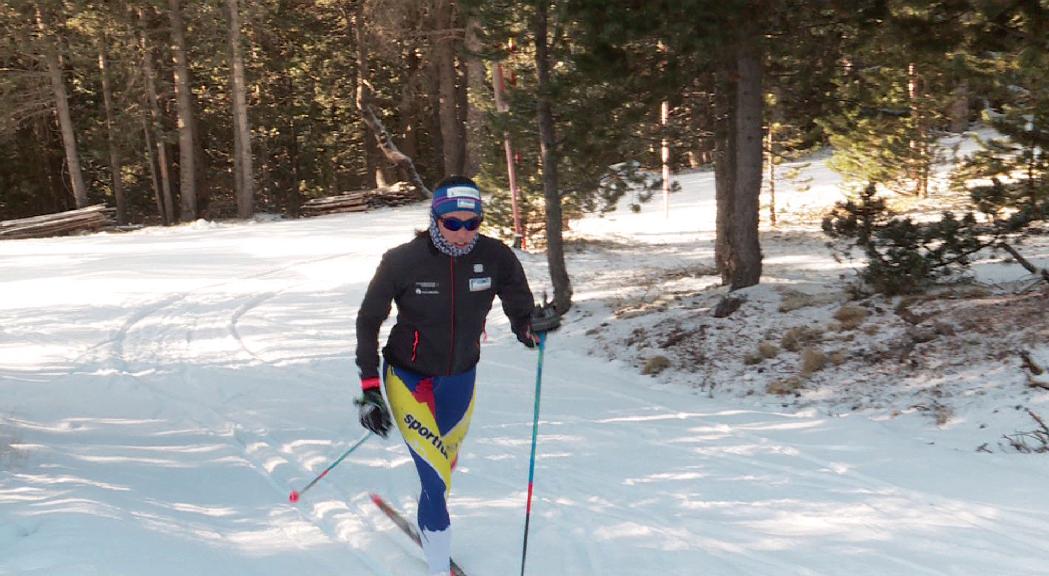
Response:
column 408, row 529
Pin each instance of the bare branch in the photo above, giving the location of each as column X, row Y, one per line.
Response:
column 1038, row 419
column 1024, row 262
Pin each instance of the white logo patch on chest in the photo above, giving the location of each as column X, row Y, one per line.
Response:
column 479, row 284
column 478, row 268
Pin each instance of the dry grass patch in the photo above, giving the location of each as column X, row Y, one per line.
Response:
column 655, row 365
column 850, row 317
column 799, row 336
column 812, row 360
column 791, row 299
column 768, row 350
column 784, row 386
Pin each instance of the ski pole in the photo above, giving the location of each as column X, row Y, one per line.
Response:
column 531, row 461
column 295, row 494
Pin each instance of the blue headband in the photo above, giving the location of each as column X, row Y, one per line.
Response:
column 455, row 198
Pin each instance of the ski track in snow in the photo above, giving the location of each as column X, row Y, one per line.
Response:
column 248, row 306
column 125, row 342
column 256, row 449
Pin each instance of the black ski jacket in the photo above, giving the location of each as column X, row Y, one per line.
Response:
column 442, row 304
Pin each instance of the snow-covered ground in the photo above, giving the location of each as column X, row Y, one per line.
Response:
column 164, row 390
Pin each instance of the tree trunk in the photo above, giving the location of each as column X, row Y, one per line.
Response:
column 65, row 120
column 664, row 142
column 238, row 176
column 664, row 156
column 520, row 237
column 294, row 198
column 775, row 119
column 738, row 168
column 242, row 164
column 462, row 106
column 475, row 90
column 407, row 107
column 371, row 150
column 555, row 250
column 433, row 120
column 770, row 159
column 384, row 174
column 749, row 162
column 167, row 213
column 51, row 166
column 115, row 165
column 147, row 132
column 186, row 124
column 363, row 102
column 200, row 172
column 446, row 80
column 959, row 109
column 725, row 167
column 920, row 161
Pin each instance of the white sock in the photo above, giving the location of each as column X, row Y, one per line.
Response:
column 437, row 546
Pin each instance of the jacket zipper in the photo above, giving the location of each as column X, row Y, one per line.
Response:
column 451, row 351
column 415, row 345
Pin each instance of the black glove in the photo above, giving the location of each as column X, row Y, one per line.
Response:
column 544, row 318
column 527, row 338
column 372, row 411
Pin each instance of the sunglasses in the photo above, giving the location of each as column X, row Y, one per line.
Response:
column 454, row 224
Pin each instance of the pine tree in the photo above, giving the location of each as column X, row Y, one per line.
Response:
column 906, row 256
column 1004, row 50
column 1012, row 169
column 903, row 63
column 49, row 43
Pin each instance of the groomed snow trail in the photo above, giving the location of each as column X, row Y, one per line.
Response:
column 166, row 389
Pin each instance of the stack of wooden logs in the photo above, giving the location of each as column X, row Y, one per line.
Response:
column 396, row 195
column 87, row 219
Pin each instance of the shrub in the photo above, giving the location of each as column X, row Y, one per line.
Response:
column 767, row 349
column 798, row 336
column 850, row 317
column 655, row 365
column 812, row 360
column 904, row 256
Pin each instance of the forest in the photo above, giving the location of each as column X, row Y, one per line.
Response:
column 799, row 251
column 170, row 111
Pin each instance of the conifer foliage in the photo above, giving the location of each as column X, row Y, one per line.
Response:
column 906, row 256
column 992, row 49
column 216, row 108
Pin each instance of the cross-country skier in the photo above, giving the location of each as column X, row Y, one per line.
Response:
column 444, row 282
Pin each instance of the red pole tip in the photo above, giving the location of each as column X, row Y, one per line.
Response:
column 294, row 497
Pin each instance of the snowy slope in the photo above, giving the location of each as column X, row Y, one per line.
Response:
column 164, row 390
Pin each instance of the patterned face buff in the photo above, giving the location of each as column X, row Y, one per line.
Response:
column 447, row 247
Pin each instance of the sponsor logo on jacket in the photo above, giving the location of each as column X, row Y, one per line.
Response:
column 426, row 288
